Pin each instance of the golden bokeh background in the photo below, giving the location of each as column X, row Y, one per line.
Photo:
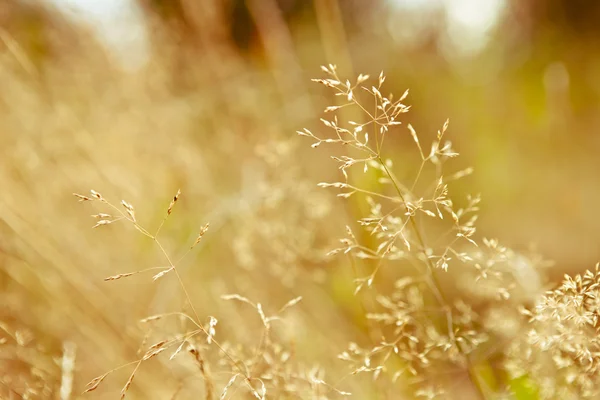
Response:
column 206, row 97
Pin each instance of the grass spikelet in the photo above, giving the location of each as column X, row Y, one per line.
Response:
column 82, row 197
column 178, row 350
column 290, row 304
column 96, row 195
column 152, row 353
column 93, row 384
column 151, row 318
column 228, row 386
column 129, row 208
column 162, row 273
column 238, row 298
column 119, row 276
column 212, row 323
column 103, row 222
column 101, row 216
column 175, row 198
column 203, row 230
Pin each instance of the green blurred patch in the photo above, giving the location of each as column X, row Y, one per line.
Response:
column 524, row 389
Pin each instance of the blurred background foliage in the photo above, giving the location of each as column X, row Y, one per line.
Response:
column 136, row 99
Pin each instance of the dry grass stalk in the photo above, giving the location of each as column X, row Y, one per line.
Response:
column 209, row 386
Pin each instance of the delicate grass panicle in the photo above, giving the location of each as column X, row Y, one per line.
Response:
column 282, row 220
column 561, row 349
column 446, row 314
column 430, row 337
column 409, row 316
column 267, row 367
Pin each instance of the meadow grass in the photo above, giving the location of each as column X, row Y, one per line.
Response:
column 449, row 315
column 270, row 273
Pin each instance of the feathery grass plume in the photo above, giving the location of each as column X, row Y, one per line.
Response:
column 265, row 367
column 273, row 365
column 281, row 226
column 412, row 225
column 159, row 347
column 430, row 339
column 560, row 352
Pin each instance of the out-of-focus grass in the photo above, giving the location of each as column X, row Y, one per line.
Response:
column 218, row 122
